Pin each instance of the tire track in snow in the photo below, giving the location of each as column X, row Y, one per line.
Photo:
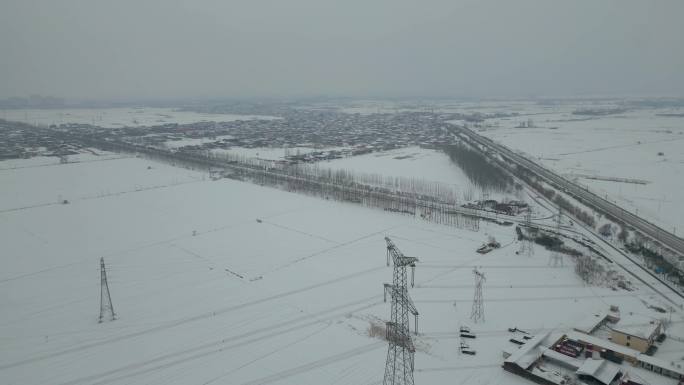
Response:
column 598, row 149
column 503, row 332
column 560, row 286
column 452, row 368
column 299, row 232
column 187, row 320
column 99, row 196
column 211, row 264
column 126, row 251
column 439, row 266
column 426, row 244
column 272, row 352
column 527, row 299
column 64, row 164
column 29, row 207
column 20, row 276
column 339, row 245
column 448, row 271
column 277, row 330
column 317, row 364
column 443, row 234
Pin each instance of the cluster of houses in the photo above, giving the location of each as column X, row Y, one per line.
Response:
column 356, row 133
column 317, row 129
column 18, row 140
column 583, row 356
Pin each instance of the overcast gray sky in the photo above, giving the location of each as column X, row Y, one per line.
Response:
column 363, row 48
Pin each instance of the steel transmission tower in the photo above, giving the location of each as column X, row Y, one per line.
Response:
column 105, row 299
column 527, row 245
column 556, row 257
column 477, row 313
column 399, row 366
column 584, row 268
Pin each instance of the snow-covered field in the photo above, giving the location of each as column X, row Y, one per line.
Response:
column 640, row 145
column 39, row 161
column 416, row 163
column 116, row 117
column 421, row 164
column 410, row 162
column 16, row 193
column 205, row 294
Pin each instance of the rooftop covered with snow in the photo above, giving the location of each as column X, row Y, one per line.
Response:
column 530, row 351
column 637, row 325
column 601, row 370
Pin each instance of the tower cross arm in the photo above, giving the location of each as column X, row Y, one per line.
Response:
column 402, row 296
column 410, row 305
column 403, row 260
column 397, row 256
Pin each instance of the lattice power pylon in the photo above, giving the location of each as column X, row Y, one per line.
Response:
column 527, row 245
column 399, row 366
column 485, row 197
column 106, row 307
column 584, row 268
column 477, row 313
column 556, row 257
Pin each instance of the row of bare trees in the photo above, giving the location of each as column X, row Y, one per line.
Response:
column 444, row 192
column 431, row 201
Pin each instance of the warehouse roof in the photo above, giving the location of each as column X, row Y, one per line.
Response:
column 530, row 352
column 600, row 342
column 601, row 370
column 637, row 325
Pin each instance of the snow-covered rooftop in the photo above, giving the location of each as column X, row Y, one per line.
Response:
column 592, row 321
column 625, row 351
column 573, row 363
column 530, row 352
column 677, row 367
column 637, row 325
column 601, row 370
column 549, row 375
